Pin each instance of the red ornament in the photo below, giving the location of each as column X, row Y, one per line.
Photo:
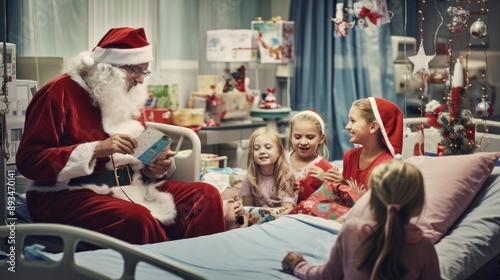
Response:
column 484, row 109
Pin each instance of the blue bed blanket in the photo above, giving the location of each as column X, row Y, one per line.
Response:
column 256, row 252
column 248, row 253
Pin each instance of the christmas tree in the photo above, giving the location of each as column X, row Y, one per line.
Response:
column 455, row 126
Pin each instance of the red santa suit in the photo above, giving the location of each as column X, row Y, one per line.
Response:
column 63, row 127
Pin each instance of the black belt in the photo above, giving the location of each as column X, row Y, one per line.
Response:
column 120, row 176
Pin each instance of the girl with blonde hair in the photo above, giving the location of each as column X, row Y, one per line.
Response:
column 309, row 155
column 269, row 181
column 387, row 246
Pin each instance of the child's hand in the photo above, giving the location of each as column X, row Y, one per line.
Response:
column 318, row 173
column 291, row 260
column 333, row 175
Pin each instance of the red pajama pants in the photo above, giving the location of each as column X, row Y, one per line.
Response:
column 198, row 205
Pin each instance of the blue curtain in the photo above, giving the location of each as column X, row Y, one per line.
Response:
column 13, row 14
column 336, row 71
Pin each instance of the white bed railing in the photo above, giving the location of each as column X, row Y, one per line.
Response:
column 188, row 165
column 67, row 268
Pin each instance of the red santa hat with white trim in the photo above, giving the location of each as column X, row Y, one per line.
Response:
column 390, row 118
column 121, row 46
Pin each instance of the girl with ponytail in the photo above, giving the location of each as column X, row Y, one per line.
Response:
column 386, row 247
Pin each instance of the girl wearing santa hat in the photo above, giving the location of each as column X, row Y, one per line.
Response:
column 376, row 125
column 77, row 149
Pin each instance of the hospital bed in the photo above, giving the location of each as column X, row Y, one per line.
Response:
column 469, row 250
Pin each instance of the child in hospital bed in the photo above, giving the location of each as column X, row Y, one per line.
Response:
column 269, row 182
column 375, row 124
column 234, row 214
column 387, row 246
column 308, row 157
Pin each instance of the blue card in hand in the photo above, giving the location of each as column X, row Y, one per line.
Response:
column 150, row 143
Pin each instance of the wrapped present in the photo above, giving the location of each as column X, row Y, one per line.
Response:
column 236, row 105
column 206, row 83
column 207, row 161
column 188, row 117
column 231, row 45
column 159, row 115
column 164, row 96
column 274, row 40
column 330, row 201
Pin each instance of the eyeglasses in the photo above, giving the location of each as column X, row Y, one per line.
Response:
column 137, row 72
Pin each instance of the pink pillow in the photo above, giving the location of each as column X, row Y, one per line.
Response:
column 451, row 182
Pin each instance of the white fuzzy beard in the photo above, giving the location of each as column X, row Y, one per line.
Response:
column 119, row 106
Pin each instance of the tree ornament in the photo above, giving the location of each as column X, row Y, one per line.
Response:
column 478, row 29
column 421, row 60
column 340, row 22
column 459, row 18
column 484, row 109
column 419, row 148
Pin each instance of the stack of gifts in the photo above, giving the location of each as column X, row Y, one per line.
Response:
column 162, row 100
column 223, row 98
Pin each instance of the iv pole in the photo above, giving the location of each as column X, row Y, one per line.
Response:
column 5, row 153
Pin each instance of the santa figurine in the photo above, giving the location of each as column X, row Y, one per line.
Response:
column 270, row 100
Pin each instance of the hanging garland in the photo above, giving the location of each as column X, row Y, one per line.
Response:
column 455, row 125
column 479, row 30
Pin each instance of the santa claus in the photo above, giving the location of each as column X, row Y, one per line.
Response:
column 77, row 149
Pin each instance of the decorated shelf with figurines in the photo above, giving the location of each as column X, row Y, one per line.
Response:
column 225, row 97
column 269, row 108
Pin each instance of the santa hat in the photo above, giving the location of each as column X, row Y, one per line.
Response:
column 390, row 118
column 121, row 46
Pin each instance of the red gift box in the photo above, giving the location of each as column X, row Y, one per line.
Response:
column 159, row 115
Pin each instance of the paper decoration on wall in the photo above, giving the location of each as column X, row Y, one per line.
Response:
column 227, row 45
column 275, row 40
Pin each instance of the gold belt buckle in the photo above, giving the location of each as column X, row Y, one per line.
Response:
column 116, row 174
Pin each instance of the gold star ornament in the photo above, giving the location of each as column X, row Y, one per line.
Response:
column 421, row 60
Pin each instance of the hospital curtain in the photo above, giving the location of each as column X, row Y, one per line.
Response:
column 53, row 27
column 335, row 71
column 12, row 24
